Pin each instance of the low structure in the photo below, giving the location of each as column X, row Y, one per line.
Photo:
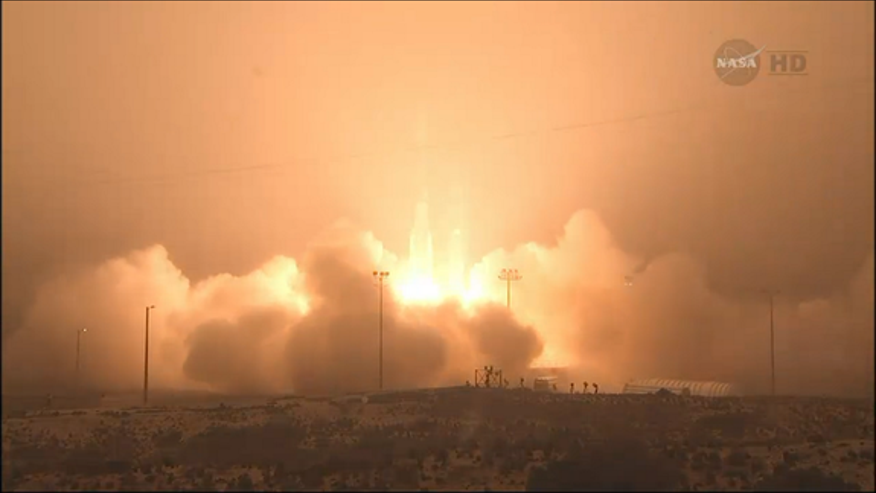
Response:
column 490, row 377
column 681, row 387
column 545, row 384
column 560, row 372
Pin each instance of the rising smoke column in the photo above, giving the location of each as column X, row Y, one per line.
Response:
column 308, row 328
column 669, row 324
column 334, row 348
column 421, row 258
column 458, row 244
column 311, row 326
column 108, row 300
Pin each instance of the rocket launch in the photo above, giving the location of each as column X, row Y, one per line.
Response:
column 421, row 255
column 424, row 279
column 419, row 284
column 458, row 243
column 427, row 279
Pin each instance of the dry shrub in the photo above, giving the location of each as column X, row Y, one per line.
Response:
column 375, row 440
column 227, row 446
column 732, row 425
column 738, row 458
column 109, row 451
column 167, row 439
column 811, row 479
column 405, row 476
column 617, row 465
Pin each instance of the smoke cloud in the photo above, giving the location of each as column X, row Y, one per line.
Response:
column 311, row 327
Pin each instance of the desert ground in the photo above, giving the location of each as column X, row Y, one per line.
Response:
column 460, row 438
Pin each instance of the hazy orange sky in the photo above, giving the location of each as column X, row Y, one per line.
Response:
column 115, row 113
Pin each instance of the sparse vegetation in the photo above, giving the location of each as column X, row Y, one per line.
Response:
column 809, row 479
column 610, row 465
column 460, row 439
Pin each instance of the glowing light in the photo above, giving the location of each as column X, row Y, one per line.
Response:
column 303, row 304
column 419, row 290
column 423, row 281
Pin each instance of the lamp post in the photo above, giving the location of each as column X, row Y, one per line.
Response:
column 79, row 333
column 380, row 276
column 509, row 276
column 146, row 359
column 771, row 294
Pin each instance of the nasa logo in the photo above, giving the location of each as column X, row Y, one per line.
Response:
column 737, row 62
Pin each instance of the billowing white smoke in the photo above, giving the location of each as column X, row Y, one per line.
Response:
column 668, row 324
column 311, row 327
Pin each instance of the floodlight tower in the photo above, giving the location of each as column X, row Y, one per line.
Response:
column 509, row 276
column 381, row 276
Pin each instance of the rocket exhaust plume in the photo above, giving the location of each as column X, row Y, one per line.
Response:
column 311, row 325
column 457, row 248
column 419, row 280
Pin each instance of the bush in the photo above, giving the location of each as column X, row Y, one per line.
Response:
column 731, row 424
column 738, row 458
column 624, row 465
column 811, row 479
column 225, row 446
column 167, row 439
column 243, row 483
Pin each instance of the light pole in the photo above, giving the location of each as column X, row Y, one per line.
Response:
column 772, row 294
column 146, row 359
column 509, row 276
column 381, row 276
column 79, row 333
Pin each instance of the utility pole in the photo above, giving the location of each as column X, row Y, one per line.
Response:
column 381, row 276
column 772, row 294
column 79, row 333
column 509, row 276
column 146, row 359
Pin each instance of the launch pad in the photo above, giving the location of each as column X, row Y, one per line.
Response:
column 490, row 377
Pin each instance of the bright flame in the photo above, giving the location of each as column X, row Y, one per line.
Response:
column 422, row 281
column 418, row 283
column 424, row 289
column 419, row 289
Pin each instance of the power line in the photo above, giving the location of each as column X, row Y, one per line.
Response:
column 164, row 177
column 204, row 172
column 182, row 175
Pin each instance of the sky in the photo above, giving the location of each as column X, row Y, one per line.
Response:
column 232, row 132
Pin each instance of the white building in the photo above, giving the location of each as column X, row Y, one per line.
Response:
column 681, row 387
